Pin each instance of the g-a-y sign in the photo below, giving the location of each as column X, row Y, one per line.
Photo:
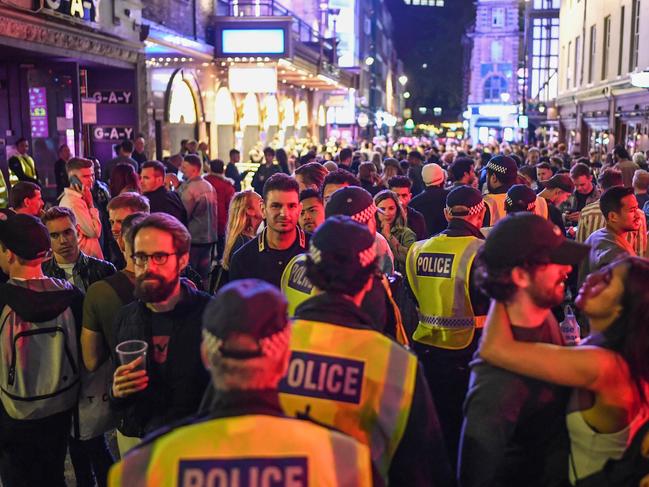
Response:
column 79, row 9
column 113, row 97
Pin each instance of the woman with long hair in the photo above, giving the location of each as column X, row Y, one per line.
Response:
column 391, row 222
column 244, row 218
column 608, row 372
column 124, row 179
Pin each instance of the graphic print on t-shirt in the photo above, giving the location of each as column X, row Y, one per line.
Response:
column 160, row 348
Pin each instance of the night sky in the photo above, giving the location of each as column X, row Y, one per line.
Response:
column 432, row 35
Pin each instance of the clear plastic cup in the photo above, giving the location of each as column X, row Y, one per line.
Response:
column 131, row 350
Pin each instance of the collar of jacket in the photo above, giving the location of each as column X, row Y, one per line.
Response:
column 80, row 266
column 458, row 227
column 263, row 243
column 334, row 309
column 245, row 402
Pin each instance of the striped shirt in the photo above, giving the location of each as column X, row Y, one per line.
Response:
column 592, row 219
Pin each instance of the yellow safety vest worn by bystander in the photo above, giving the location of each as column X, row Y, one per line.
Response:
column 28, row 165
column 355, row 380
column 252, row 451
column 4, row 192
column 438, row 272
column 496, row 205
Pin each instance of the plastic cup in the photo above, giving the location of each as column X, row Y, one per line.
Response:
column 131, row 350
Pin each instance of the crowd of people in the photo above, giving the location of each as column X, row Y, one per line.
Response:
column 407, row 314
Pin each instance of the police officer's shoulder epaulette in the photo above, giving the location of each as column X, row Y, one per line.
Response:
column 306, row 416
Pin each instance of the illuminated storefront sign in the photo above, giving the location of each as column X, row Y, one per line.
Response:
column 182, row 107
column 38, row 113
column 80, row 9
column 252, row 41
column 113, row 97
column 346, row 22
column 100, row 134
column 252, row 79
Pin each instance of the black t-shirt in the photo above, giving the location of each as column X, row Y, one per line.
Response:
column 257, row 260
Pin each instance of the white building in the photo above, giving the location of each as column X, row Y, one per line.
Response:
column 602, row 43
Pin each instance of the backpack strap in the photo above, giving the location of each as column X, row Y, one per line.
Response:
column 122, row 286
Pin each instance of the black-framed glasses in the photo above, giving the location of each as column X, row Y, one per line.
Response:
column 158, row 258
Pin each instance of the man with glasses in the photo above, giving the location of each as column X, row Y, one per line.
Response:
column 167, row 314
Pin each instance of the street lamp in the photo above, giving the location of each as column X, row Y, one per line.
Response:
column 504, row 97
column 406, row 94
column 403, row 79
column 369, row 60
column 641, row 79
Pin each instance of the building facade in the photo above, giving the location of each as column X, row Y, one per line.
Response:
column 493, row 93
column 602, row 44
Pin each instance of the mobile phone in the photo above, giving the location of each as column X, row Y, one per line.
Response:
column 76, row 184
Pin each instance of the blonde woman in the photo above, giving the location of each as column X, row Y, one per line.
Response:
column 391, row 222
column 244, row 218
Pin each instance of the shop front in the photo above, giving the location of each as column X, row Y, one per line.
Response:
column 70, row 74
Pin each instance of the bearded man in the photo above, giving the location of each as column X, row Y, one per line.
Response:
column 168, row 383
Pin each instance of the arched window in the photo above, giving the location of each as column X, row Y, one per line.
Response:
column 494, row 86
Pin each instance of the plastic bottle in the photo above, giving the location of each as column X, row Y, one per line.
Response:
column 569, row 327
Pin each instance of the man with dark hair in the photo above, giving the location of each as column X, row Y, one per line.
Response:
column 514, row 430
column 39, row 358
column 265, row 170
column 167, row 315
column 592, row 219
column 60, row 173
column 118, row 209
column 415, row 163
column 224, row 193
column 199, row 198
column 311, row 176
column 266, row 256
column 462, row 172
column 25, row 198
column 160, row 199
column 543, row 173
column 68, row 261
column 340, row 178
column 585, row 193
column 556, row 191
column 345, row 159
column 331, row 331
column 401, row 186
column 21, row 165
column 231, row 170
column 620, row 210
column 78, row 197
column 312, row 214
column 125, row 151
column 625, row 165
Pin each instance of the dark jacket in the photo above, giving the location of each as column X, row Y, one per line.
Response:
column 175, row 390
column 417, row 223
column 87, row 270
column 262, row 175
column 169, row 202
column 431, row 204
column 232, row 172
column 414, row 173
column 60, row 176
column 420, row 458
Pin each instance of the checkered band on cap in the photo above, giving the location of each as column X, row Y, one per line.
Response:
column 471, row 210
column 530, row 207
column 365, row 257
column 496, row 167
column 271, row 346
column 365, row 215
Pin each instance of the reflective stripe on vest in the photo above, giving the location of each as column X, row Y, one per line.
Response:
column 4, row 192
column 357, row 381
column 438, row 273
column 237, row 451
column 29, row 168
column 295, row 285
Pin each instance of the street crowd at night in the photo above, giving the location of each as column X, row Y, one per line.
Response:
column 406, row 313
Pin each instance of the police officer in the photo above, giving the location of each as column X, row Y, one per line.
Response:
column 345, row 374
column 502, row 173
column 358, row 204
column 21, row 165
column 245, row 439
column 451, row 309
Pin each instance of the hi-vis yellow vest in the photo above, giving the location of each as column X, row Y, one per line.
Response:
column 438, row 272
column 247, row 451
column 496, row 204
column 357, row 381
column 4, row 192
column 28, row 165
column 295, row 285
